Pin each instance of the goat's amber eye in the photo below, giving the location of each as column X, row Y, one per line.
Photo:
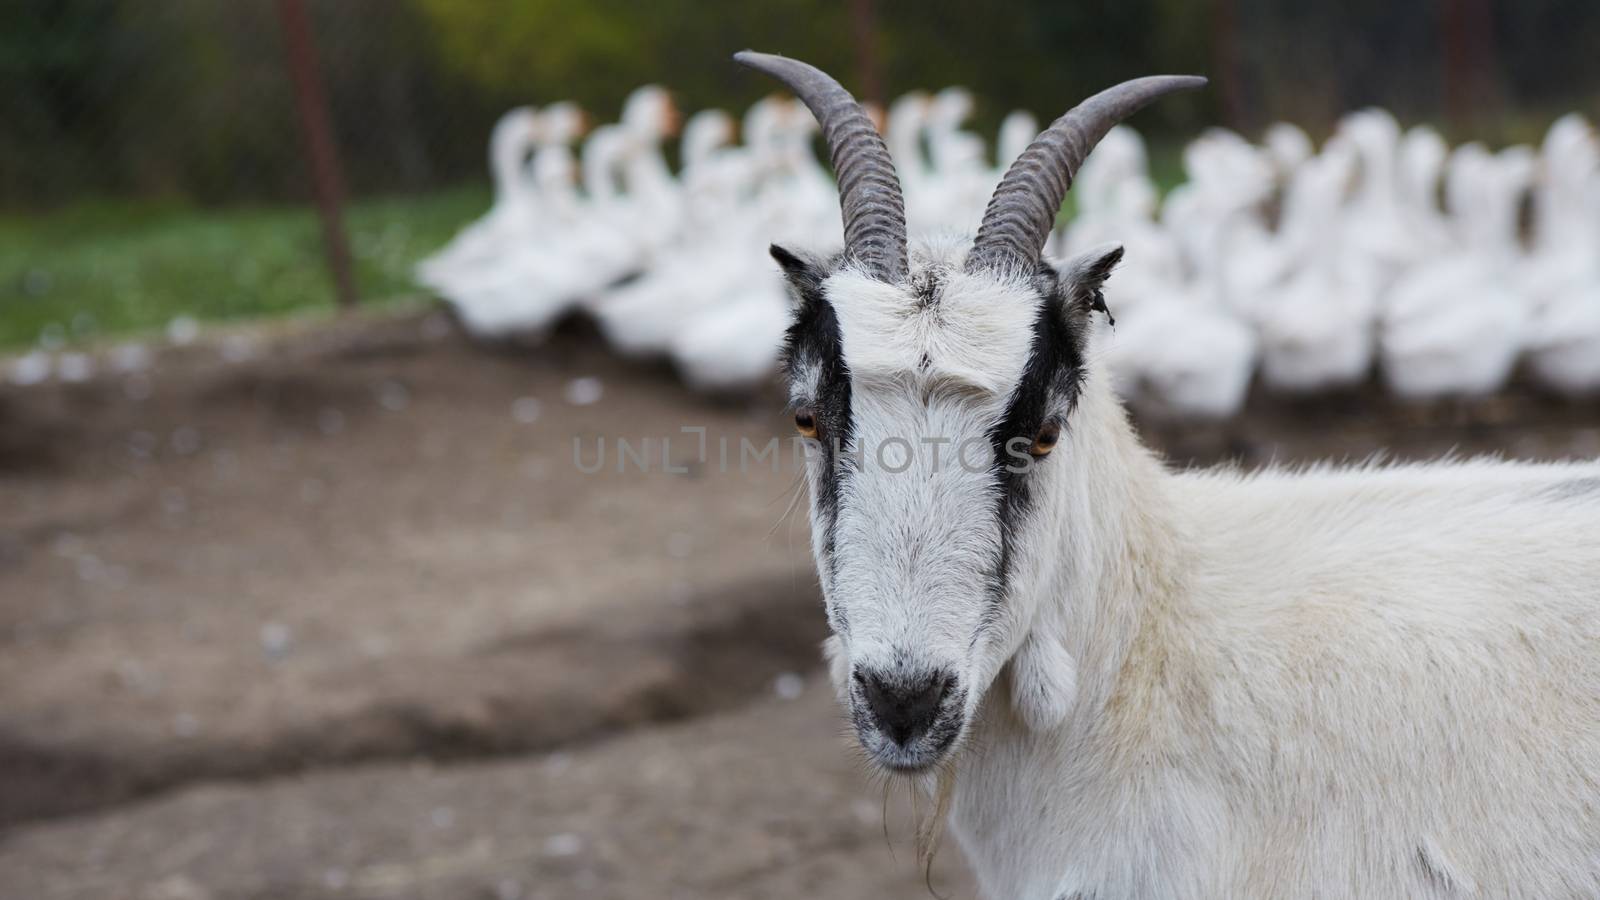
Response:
column 805, row 422
column 1045, row 440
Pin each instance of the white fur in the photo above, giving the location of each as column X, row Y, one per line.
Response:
column 976, row 336
column 1371, row 682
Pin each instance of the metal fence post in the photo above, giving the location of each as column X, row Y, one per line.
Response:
column 864, row 30
column 321, row 151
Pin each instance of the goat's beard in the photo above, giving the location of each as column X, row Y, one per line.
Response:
column 929, row 824
column 940, row 791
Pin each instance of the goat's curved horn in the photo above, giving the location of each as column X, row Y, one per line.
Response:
column 1024, row 205
column 873, row 208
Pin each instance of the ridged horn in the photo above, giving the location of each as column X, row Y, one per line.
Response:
column 870, row 201
column 1024, row 205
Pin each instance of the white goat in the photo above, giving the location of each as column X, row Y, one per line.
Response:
column 1124, row 682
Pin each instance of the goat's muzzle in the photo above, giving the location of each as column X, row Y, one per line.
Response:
column 906, row 722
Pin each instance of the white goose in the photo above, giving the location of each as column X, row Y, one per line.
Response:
column 1317, row 303
column 903, row 128
column 554, row 168
column 1356, row 254
column 1227, row 178
column 513, row 214
column 708, row 183
column 1561, row 277
column 1017, row 131
column 802, row 205
column 1117, row 202
column 733, row 345
column 1374, row 224
column 1179, row 353
column 1288, row 146
column 1453, row 325
column 515, row 296
column 958, row 180
column 619, row 232
column 1564, row 340
column 1420, row 164
column 641, row 319
column 1179, row 350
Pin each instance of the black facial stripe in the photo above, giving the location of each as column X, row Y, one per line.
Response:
column 813, row 341
column 1052, row 376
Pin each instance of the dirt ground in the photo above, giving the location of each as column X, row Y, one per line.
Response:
column 334, row 612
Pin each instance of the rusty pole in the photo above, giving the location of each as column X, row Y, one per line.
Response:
column 1467, row 32
column 864, row 28
column 1225, row 67
column 322, row 153
column 1457, row 58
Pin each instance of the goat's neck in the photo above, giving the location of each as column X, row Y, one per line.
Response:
column 1121, row 556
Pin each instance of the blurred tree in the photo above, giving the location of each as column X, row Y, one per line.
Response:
column 44, row 48
column 189, row 98
column 1548, row 56
column 595, row 52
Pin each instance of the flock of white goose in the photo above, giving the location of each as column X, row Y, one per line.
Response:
column 1443, row 270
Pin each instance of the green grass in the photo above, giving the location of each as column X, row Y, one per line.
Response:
column 110, row 268
column 1166, row 165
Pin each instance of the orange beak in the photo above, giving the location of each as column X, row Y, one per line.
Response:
column 876, row 114
column 674, row 117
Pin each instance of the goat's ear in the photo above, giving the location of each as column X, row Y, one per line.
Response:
column 804, row 273
column 1083, row 280
column 1044, row 682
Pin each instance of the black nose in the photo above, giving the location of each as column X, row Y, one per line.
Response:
column 904, row 706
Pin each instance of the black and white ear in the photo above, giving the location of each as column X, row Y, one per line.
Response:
column 1083, row 280
column 804, row 274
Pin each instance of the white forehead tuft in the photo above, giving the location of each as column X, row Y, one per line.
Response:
column 977, row 331
column 805, row 377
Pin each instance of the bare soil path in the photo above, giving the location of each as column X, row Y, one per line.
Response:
column 333, row 612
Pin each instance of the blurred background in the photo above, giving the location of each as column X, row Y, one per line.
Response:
column 135, row 131
column 304, row 589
